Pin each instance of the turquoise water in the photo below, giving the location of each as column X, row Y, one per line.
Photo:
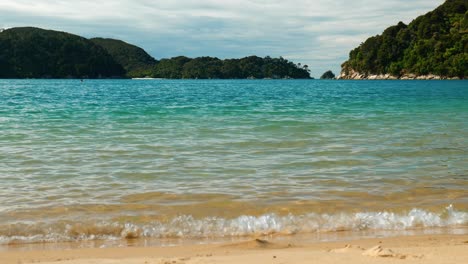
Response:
column 111, row 159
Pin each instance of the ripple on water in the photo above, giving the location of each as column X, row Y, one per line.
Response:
column 264, row 155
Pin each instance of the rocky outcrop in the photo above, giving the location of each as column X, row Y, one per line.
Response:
column 350, row 74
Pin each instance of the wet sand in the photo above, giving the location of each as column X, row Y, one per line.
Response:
column 430, row 249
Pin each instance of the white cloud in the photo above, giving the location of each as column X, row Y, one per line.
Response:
column 319, row 33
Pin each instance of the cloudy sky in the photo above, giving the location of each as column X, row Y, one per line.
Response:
column 319, row 33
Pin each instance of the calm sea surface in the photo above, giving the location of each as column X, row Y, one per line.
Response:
column 115, row 159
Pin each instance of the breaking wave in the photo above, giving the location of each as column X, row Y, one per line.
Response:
column 215, row 227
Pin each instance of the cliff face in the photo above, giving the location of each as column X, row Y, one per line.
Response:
column 433, row 46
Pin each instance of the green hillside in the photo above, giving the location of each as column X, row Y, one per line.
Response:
column 253, row 67
column 37, row 53
column 135, row 60
column 435, row 43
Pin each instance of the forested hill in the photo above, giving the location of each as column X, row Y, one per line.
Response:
column 135, row 60
column 435, row 44
column 37, row 53
column 251, row 67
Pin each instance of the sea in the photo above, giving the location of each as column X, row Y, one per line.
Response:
column 111, row 161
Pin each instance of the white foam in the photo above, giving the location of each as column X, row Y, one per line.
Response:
column 215, row 227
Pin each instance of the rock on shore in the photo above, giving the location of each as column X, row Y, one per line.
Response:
column 351, row 74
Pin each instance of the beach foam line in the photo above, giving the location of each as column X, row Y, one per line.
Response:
column 215, row 227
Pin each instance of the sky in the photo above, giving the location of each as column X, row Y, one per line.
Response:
column 318, row 33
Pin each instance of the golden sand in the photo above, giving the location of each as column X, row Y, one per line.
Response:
column 428, row 249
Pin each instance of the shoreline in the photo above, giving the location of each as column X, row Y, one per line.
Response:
column 351, row 74
column 441, row 248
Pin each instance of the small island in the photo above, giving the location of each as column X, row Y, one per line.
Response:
column 328, row 75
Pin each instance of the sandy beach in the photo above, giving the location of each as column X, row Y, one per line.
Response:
column 412, row 249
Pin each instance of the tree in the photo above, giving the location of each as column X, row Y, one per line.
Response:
column 37, row 53
column 435, row 43
column 170, row 68
column 135, row 61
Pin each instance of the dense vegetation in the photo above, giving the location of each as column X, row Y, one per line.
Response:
column 38, row 53
column 214, row 68
column 135, row 60
column 435, row 43
column 328, row 75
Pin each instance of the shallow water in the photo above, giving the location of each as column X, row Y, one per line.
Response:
column 227, row 158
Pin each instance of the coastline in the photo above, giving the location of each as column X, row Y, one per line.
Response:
column 402, row 249
column 351, row 74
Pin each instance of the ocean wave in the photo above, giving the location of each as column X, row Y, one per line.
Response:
column 215, row 227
